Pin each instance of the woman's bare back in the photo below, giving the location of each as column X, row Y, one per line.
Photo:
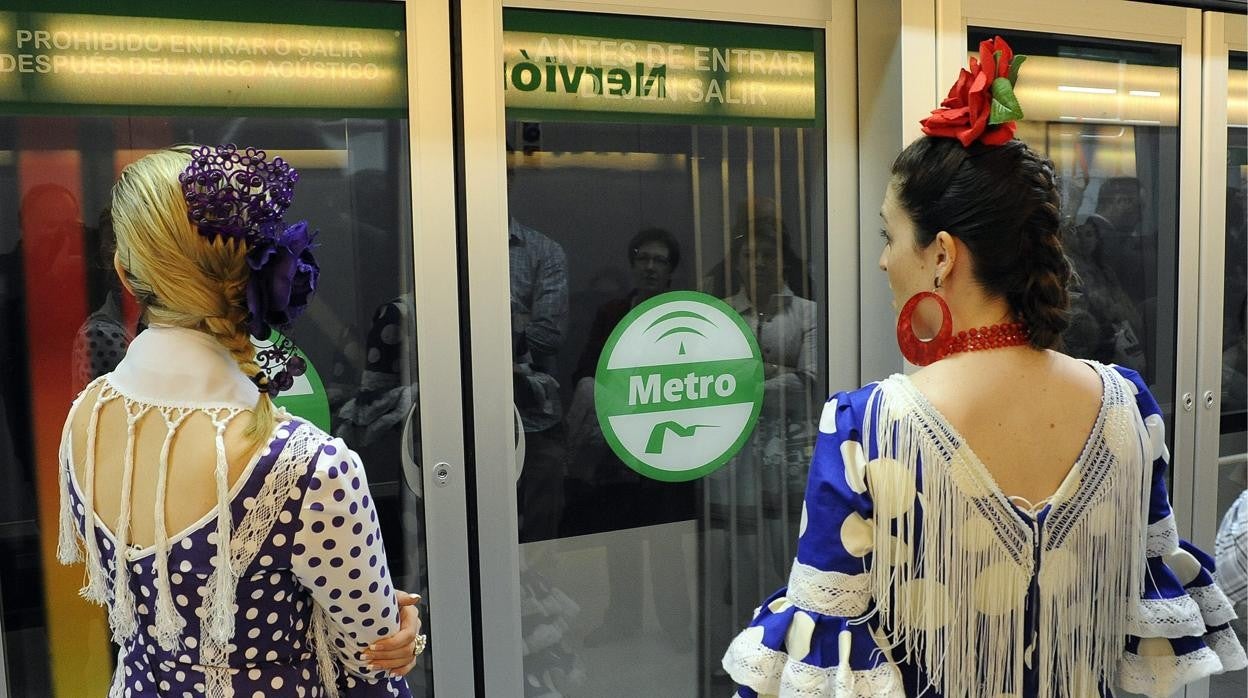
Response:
column 1026, row 414
column 192, row 489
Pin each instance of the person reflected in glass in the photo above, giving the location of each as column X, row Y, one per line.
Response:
column 101, row 341
column 180, row 453
column 1235, row 362
column 1106, row 323
column 612, row 497
column 1119, row 223
column 761, row 210
column 539, row 323
column 996, row 523
column 1235, row 305
column 756, row 499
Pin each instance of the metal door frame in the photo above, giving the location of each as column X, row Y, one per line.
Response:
column 1223, row 33
column 439, row 372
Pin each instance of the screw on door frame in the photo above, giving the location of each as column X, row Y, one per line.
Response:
column 1209, row 399
column 442, row 474
column 1188, row 401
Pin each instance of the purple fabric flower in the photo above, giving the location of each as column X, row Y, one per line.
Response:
column 284, row 273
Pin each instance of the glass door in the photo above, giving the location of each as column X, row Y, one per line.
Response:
column 326, row 87
column 646, row 161
column 605, row 215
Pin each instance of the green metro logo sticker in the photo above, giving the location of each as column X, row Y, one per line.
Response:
column 679, row 386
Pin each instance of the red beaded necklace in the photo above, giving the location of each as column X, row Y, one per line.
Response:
column 1006, row 334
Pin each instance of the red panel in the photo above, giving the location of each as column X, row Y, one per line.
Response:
column 49, row 171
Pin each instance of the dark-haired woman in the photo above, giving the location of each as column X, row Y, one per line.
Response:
column 996, row 524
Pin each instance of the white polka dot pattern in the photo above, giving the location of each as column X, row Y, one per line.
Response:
column 338, row 555
column 271, row 652
column 857, row 535
column 855, row 465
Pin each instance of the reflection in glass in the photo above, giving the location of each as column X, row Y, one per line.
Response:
column 1106, row 112
column 643, row 582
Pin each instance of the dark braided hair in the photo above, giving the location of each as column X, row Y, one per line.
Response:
column 1004, row 204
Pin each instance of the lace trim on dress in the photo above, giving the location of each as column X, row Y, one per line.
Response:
column 1163, row 537
column 1215, row 607
column 829, row 593
column 1225, row 644
column 751, row 663
column 1160, row 676
column 1170, row 618
column 253, row 529
column 801, row 680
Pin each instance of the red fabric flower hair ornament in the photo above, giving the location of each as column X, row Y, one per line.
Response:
column 981, row 105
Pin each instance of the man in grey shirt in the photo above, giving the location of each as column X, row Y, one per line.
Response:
column 539, row 318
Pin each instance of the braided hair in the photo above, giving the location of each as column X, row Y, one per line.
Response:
column 178, row 276
column 1003, row 203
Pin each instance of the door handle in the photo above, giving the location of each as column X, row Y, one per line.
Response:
column 411, row 466
column 519, row 441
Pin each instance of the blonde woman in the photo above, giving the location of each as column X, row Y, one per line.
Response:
column 236, row 547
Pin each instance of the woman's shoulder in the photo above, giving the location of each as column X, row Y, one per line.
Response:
column 306, row 441
column 844, row 411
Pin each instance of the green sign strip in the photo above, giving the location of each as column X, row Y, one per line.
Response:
column 364, row 14
column 678, row 386
column 55, row 109
column 573, row 116
column 676, row 31
column 80, row 63
column 567, row 66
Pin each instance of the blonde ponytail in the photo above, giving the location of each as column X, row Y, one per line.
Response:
column 182, row 278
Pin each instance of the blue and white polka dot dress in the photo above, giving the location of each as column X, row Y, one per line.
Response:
column 913, row 580
column 309, row 565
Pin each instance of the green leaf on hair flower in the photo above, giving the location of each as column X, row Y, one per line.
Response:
column 1005, row 105
column 1014, row 66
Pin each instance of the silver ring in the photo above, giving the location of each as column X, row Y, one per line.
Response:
column 419, row 645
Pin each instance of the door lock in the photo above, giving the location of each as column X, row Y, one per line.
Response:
column 442, row 474
column 1188, row 401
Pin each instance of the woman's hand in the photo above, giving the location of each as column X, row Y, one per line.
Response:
column 397, row 653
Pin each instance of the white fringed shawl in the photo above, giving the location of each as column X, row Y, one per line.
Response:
column 174, row 372
column 957, row 604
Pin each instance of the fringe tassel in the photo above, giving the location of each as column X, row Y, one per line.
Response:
column 222, row 583
column 956, row 604
column 324, row 659
column 169, row 623
column 118, row 687
column 67, row 551
column 95, row 589
column 121, row 615
column 1089, row 578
